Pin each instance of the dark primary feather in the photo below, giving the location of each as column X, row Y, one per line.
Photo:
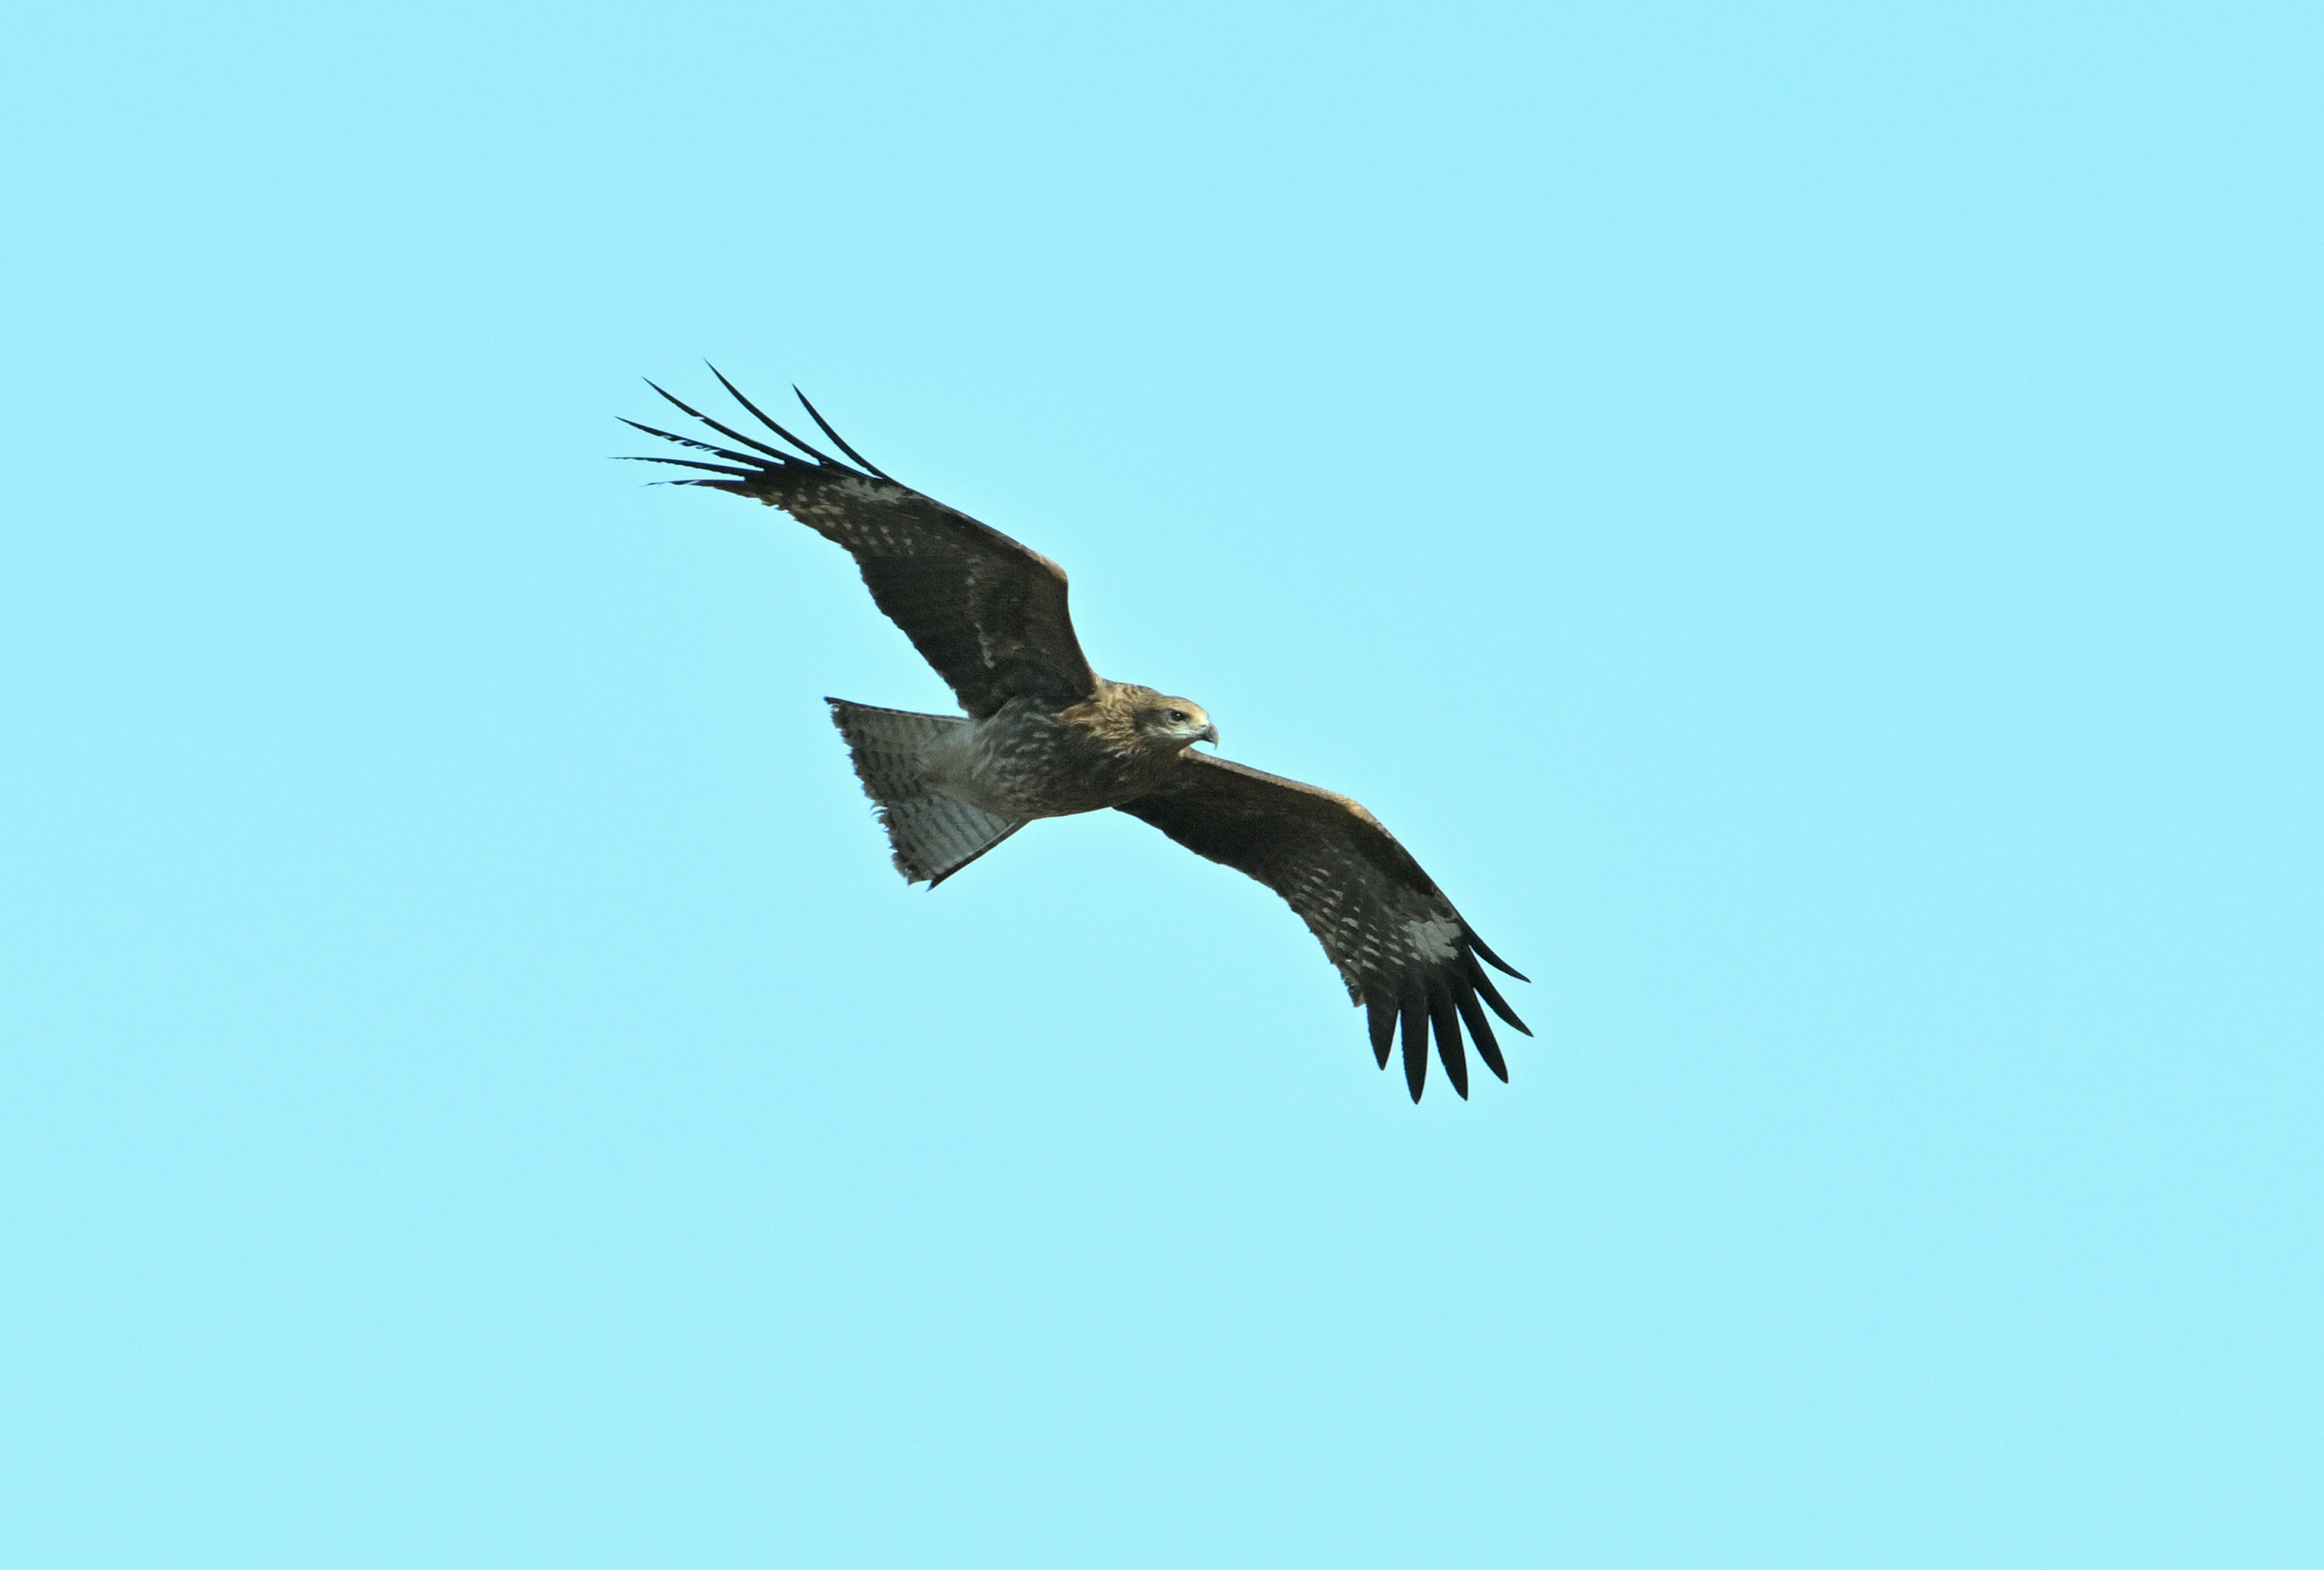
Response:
column 750, row 441
column 1441, row 1014
column 1406, row 954
column 1415, row 1043
column 1480, row 1030
column 1382, row 1009
column 740, row 457
column 990, row 615
column 816, row 415
column 819, row 455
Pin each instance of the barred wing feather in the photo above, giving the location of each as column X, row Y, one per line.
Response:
column 1406, row 954
column 987, row 613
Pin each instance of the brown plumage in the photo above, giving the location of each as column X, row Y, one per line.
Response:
column 1043, row 736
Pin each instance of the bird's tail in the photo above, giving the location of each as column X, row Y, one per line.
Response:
column 933, row 833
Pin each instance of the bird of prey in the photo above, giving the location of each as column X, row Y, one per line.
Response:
column 1042, row 736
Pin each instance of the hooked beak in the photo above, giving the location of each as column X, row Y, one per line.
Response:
column 1210, row 734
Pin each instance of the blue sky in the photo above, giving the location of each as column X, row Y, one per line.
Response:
column 1805, row 521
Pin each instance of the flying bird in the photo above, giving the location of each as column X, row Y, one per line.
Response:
column 1043, row 735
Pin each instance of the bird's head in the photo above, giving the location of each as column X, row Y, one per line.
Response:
column 1176, row 723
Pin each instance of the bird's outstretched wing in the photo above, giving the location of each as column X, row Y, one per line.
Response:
column 1404, row 951
column 987, row 613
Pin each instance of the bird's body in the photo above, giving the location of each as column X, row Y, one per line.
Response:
column 1043, row 735
column 1030, row 760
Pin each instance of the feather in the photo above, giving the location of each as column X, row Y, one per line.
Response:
column 1383, row 1024
column 820, row 456
column 758, row 465
column 1448, row 1039
column 775, row 452
column 814, row 414
column 1480, row 1030
column 1492, row 995
column 686, row 464
column 1495, row 960
column 1416, row 1042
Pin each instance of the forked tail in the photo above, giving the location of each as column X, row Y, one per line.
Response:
column 933, row 833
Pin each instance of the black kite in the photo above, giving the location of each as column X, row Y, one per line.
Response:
column 1045, row 735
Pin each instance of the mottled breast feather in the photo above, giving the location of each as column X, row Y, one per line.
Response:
column 987, row 613
column 1404, row 951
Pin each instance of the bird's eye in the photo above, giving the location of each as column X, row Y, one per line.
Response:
column 1177, row 717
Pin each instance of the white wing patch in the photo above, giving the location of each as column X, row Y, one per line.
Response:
column 1432, row 938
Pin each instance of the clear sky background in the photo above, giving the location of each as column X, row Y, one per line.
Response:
column 1806, row 523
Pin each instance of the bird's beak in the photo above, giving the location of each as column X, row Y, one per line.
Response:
column 1210, row 734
